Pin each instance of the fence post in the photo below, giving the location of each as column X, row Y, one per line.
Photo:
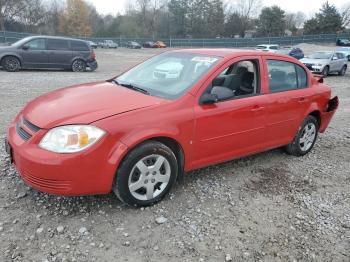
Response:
column 5, row 36
column 170, row 44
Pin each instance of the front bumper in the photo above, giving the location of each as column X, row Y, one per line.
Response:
column 88, row 172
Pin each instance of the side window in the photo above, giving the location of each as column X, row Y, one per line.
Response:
column 79, row 46
column 273, row 47
column 282, row 76
column 302, row 77
column 241, row 79
column 57, row 44
column 36, row 44
column 339, row 55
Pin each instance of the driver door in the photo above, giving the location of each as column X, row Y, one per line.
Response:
column 236, row 127
column 34, row 54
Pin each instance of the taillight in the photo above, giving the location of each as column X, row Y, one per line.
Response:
column 93, row 55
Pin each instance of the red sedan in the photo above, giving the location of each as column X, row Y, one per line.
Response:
column 137, row 133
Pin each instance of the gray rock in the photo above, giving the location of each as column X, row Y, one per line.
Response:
column 161, row 220
column 60, row 229
column 39, row 230
column 126, row 243
column 228, row 257
column 21, row 195
column 83, row 231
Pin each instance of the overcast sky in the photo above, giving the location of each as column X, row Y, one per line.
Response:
column 307, row 6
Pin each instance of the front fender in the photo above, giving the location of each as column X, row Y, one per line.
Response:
column 9, row 53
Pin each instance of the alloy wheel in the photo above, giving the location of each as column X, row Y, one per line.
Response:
column 149, row 177
column 308, row 137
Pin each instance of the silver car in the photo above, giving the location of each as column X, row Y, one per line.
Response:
column 326, row 62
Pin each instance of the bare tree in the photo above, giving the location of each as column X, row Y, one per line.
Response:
column 246, row 10
column 346, row 15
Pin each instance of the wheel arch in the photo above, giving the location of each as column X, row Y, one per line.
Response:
column 11, row 54
column 168, row 141
column 317, row 115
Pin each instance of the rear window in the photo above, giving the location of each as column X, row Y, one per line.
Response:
column 79, row 46
column 57, row 44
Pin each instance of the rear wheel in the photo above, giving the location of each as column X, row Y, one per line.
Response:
column 11, row 64
column 305, row 139
column 79, row 66
column 146, row 175
column 342, row 72
column 325, row 71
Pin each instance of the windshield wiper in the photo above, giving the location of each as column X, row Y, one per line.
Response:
column 131, row 86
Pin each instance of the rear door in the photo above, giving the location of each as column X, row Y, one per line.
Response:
column 60, row 54
column 80, row 49
column 288, row 99
column 34, row 54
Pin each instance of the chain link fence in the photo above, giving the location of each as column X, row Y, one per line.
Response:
column 10, row 37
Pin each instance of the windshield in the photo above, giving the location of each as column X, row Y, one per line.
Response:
column 21, row 42
column 321, row 55
column 168, row 75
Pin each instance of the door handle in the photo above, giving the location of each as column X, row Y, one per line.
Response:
column 302, row 100
column 257, row 108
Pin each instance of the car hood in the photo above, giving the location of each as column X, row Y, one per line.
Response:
column 84, row 104
column 6, row 48
column 314, row 61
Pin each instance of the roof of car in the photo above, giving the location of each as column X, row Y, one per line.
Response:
column 55, row 37
column 225, row 52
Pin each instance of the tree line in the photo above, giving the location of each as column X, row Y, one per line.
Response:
column 168, row 18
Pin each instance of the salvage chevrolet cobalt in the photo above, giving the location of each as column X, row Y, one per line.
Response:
column 135, row 134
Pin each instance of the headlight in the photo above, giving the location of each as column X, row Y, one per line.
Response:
column 70, row 139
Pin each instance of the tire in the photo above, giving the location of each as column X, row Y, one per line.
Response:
column 307, row 132
column 325, row 71
column 342, row 72
column 138, row 181
column 78, row 65
column 11, row 64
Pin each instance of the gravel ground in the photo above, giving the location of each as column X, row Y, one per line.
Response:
column 266, row 207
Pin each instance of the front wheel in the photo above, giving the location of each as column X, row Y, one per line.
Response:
column 11, row 64
column 305, row 139
column 79, row 66
column 325, row 71
column 146, row 174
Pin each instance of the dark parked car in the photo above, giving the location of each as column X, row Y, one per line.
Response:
column 148, row 44
column 343, row 42
column 49, row 53
column 133, row 45
column 295, row 52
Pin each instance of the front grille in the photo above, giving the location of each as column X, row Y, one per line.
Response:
column 309, row 66
column 49, row 184
column 30, row 125
column 22, row 133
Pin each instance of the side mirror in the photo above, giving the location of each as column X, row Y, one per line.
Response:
column 335, row 58
column 25, row 47
column 207, row 99
column 218, row 93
